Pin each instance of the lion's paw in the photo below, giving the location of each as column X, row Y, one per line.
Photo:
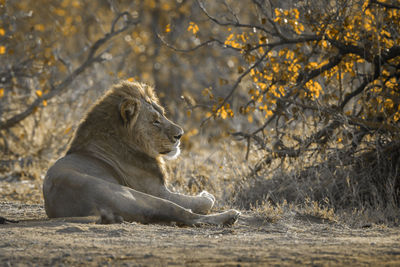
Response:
column 206, row 202
column 207, row 195
column 226, row 218
column 231, row 216
column 108, row 217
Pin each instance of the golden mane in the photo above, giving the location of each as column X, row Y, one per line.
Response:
column 103, row 115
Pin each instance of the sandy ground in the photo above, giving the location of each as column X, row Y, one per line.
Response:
column 294, row 240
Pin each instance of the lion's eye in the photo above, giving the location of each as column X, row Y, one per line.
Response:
column 156, row 122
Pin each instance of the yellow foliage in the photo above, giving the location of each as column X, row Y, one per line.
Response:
column 166, row 7
column 392, row 83
column 268, row 113
column 282, row 90
column 290, row 54
column 385, row 72
column 294, row 68
column 298, row 27
column 168, row 28
column 231, row 42
column 296, row 13
column 2, row 49
column 2, row 32
column 223, row 113
column 275, row 67
column 39, row 93
column 389, row 103
column 396, row 116
column 207, row 92
column 1, row 92
column 315, row 65
column 277, row 12
column 312, row 64
column 262, row 86
column 39, row 27
column 67, row 130
column 315, row 88
column 192, row 132
column 44, row 102
column 193, row 27
column 268, row 76
column 60, row 12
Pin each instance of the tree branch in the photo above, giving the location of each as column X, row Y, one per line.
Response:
column 232, row 24
column 197, row 46
column 379, row 3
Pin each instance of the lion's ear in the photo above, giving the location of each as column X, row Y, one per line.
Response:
column 129, row 110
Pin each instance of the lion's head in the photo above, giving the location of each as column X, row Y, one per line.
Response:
column 130, row 115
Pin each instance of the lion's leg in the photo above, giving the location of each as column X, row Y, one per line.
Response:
column 154, row 209
column 86, row 193
column 133, row 205
column 201, row 203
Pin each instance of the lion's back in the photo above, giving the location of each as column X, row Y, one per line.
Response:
column 63, row 181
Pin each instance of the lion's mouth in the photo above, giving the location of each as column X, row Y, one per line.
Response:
column 174, row 152
column 174, row 148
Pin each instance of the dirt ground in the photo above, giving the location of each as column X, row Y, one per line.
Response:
column 293, row 240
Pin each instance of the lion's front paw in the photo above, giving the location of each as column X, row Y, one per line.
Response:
column 226, row 218
column 205, row 204
column 208, row 195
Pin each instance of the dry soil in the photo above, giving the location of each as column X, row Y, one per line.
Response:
column 252, row 241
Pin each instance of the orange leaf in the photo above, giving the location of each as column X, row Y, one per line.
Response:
column 168, row 28
column 67, row 130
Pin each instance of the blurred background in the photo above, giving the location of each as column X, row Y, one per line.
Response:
column 286, row 105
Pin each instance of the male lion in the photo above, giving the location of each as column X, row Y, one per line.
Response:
column 114, row 166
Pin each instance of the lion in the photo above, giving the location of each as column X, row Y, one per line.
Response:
column 114, row 167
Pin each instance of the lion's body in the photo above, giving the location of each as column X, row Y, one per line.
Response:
column 114, row 166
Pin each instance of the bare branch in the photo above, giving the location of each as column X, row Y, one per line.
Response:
column 231, row 24
column 211, row 41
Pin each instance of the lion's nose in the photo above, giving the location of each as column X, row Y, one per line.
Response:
column 179, row 134
column 177, row 137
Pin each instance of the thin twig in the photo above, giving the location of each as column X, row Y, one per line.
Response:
column 231, row 24
column 211, row 41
